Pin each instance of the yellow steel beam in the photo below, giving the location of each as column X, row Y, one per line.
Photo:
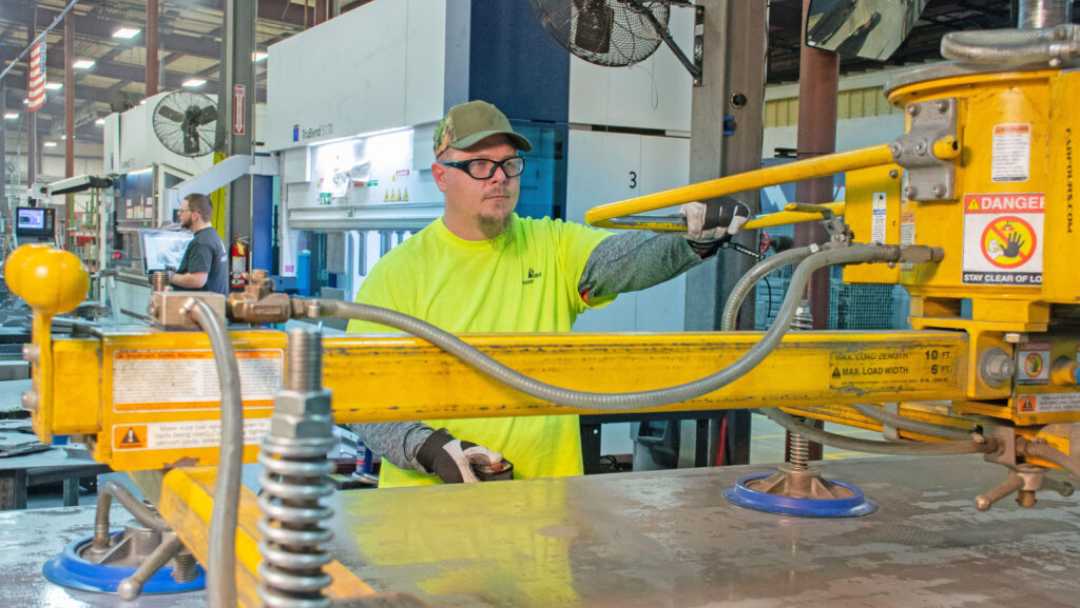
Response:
column 187, row 502
column 144, row 411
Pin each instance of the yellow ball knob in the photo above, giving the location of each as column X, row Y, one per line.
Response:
column 51, row 281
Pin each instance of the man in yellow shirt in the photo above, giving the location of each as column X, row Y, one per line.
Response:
column 481, row 268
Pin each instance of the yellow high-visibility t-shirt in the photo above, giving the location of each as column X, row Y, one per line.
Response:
column 524, row 280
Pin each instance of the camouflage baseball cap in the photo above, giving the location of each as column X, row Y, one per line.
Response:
column 466, row 124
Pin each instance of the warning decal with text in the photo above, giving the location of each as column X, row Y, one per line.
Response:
column 182, row 435
column 159, row 380
column 1003, row 238
column 1048, row 403
column 1011, row 153
column 891, row 367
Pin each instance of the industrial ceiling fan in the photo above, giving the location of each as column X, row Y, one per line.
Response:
column 185, row 123
column 613, row 33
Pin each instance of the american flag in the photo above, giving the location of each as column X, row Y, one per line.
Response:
column 36, row 86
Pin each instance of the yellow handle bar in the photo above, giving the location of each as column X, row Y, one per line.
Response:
column 614, row 215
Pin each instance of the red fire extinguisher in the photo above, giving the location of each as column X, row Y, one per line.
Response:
column 238, row 263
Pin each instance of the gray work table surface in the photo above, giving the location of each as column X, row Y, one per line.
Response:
column 665, row 538
column 30, row 538
column 669, row 538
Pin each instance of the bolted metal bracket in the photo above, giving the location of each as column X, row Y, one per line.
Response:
column 1025, row 480
column 929, row 177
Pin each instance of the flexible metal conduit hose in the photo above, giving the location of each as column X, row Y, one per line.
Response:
column 914, row 426
column 758, row 271
column 221, row 565
column 742, row 289
column 1013, row 47
column 1049, row 452
column 619, row 401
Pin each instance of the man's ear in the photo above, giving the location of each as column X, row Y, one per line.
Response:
column 438, row 172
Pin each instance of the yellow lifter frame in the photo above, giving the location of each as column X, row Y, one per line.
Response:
column 104, row 386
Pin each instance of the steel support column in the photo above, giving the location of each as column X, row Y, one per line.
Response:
column 237, row 106
column 152, row 62
column 819, row 82
column 32, row 148
column 726, row 138
column 69, row 125
column 4, row 177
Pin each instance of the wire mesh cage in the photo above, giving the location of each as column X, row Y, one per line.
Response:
column 605, row 32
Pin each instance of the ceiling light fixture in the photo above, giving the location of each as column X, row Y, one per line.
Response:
column 54, row 86
column 83, row 64
column 258, row 56
column 11, row 115
column 193, row 83
column 126, row 33
column 50, row 144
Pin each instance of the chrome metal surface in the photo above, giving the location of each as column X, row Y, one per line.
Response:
column 1037, row 14
column 944, row 69
column 30, row 538
column 668, row 538
column 294, row 482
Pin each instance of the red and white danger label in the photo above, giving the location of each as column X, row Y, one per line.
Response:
column 1003, row 238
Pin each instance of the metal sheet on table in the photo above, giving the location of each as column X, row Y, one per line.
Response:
column 30, row 538
column 670, row 539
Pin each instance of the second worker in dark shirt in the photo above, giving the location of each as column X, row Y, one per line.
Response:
column 204, row 266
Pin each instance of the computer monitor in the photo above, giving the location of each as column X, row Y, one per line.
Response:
column 35, row 222
column 163, row 249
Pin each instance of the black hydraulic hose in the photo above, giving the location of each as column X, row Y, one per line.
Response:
column 757, row 272
column 915, row 426
column 620, row 401
column 221, row 565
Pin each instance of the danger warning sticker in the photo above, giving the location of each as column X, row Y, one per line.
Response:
column 1003, row 238
column 1048, row 402
column 182, row 435
column 187, row 379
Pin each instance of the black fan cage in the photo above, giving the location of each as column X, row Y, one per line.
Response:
column 605, row 32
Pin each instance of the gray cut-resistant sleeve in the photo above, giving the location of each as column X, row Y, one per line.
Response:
column 397, row 442
column 631, row 261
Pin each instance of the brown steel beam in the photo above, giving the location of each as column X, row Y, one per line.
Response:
column 819, row 84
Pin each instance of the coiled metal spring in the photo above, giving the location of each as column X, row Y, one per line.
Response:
column 292, row 534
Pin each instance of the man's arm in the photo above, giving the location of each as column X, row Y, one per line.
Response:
column 638, row 260
column 397, row 442
column 632, row 261
column 198, row 268
column 190, row 280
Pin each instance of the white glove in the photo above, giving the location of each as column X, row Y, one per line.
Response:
column 716, row 220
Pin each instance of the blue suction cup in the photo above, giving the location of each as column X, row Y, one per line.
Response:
column 856, row 505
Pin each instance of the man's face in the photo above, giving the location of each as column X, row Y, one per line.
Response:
column 185, row 216
column 488, row 201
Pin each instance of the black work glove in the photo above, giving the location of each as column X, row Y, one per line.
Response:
column 457, row 461
column 710, row 225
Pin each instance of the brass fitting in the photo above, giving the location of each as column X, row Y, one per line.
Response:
column 257, row 303
column 169, row 309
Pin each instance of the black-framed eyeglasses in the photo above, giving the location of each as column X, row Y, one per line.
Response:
column 484, row 168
